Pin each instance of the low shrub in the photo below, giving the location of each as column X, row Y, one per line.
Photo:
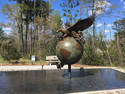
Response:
column 12, row 54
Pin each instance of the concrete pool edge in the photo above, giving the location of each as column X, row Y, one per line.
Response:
column 113, row 91
column 46, row 67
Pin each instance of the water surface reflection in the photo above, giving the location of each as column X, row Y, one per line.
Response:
column 56, row 82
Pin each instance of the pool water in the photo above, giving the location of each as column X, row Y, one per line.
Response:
column 58, row 82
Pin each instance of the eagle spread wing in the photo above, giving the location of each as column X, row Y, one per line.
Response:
column 82, row 24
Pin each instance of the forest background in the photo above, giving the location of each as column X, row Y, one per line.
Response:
column 33, row 24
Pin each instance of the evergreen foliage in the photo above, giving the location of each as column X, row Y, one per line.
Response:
column 12, row 54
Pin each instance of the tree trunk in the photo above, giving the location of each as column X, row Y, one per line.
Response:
column 34, row 38
column 93, row 43
column 26, row 39
column 119, row 50
column 36, row 41
column 22, row 38
column 31, row 44
column 109, row 58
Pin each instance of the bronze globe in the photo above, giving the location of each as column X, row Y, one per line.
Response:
column 69, row 50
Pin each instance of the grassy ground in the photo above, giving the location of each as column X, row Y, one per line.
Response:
column 21, row 61
column 2, row 60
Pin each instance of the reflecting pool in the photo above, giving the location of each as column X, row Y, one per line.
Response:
column 57, row 81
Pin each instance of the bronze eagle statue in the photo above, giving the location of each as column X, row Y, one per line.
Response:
column 66, row 42
column 81, row 25
column 76, row 29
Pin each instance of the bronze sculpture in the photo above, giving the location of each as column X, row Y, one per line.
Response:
column 70, row 46
column 76, row 29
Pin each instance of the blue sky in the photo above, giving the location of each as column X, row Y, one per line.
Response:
column 3, row 18
column 108, row 19
column 56, row 6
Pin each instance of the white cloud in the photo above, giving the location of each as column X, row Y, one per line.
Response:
column 124, row 2
column 109, row 25
column 98, row 25
column 7, row 32
column 99, row 12
column 102, row 6
column 90, row 12
column 107, row 31
column 7, row 29
column 61, row 19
